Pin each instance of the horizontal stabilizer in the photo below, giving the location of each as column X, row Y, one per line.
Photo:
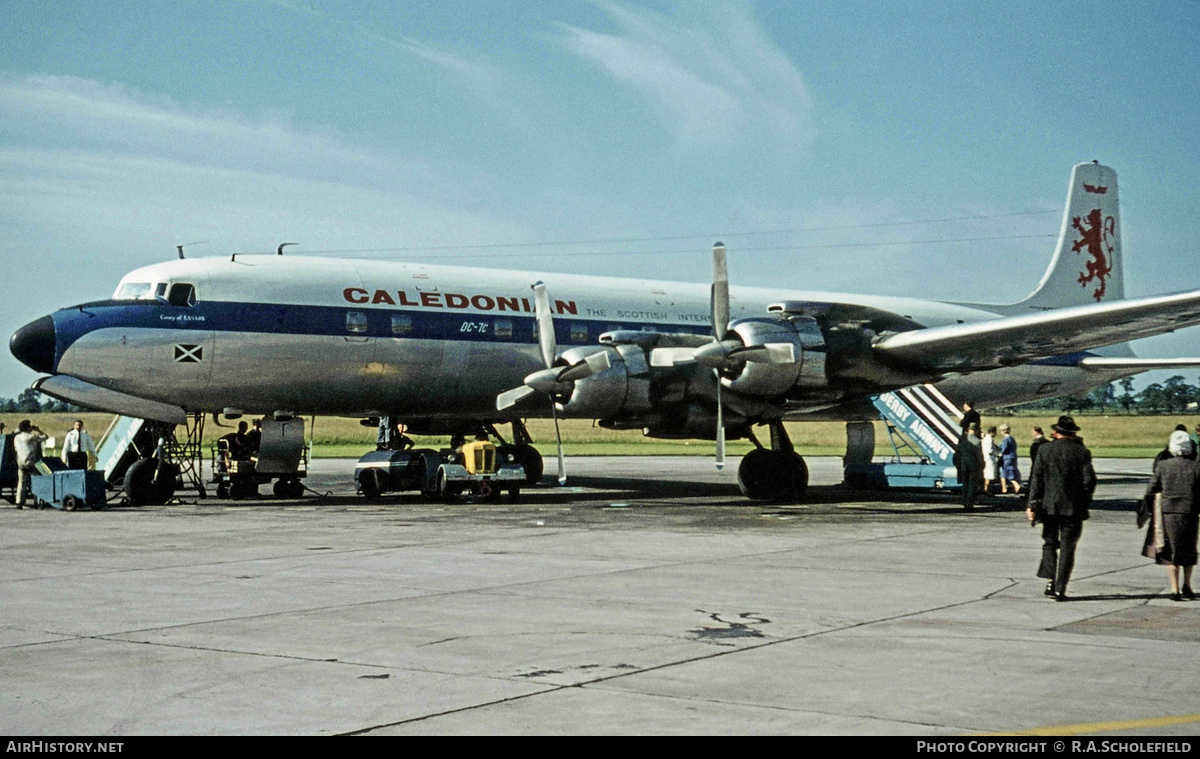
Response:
column 1013, row 340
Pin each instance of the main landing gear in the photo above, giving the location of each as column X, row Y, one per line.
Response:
column 778, row 475
column 521, row 450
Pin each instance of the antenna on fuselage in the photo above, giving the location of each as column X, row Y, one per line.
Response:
column 180, row 247
column 279, row 250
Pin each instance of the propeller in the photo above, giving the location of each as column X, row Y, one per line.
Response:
column 553, row 380
column 719, row 300
column 723, row 353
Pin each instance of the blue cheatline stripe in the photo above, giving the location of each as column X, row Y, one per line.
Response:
column 290, row 319
column 331, row 321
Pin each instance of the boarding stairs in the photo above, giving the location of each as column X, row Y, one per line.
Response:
column 120, row 446
column 923, row 426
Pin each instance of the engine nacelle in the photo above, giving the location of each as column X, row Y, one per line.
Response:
column 623, row 389
column 694, row 422
column 763, row 379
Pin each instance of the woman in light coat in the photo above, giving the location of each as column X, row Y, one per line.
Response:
column 1171, row 537
column 991, row 453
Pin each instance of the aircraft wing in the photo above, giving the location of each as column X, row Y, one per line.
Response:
column 1012, row 340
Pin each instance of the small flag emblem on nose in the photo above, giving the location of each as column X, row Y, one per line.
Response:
column 189, row 354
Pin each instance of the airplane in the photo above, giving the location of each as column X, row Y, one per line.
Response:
column 458, row 350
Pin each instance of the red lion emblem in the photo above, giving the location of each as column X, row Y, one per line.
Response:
column 1096, row 239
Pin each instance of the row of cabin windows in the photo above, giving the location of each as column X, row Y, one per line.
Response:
column 402, row 324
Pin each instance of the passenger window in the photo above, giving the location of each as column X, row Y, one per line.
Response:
column 502, row 328
column 182, row 294
column 579, row 332
column 356, row 321
column 401, row 324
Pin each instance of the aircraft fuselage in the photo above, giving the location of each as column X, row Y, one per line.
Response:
column 362, row 338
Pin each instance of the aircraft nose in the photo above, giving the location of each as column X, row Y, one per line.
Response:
column 33, row 345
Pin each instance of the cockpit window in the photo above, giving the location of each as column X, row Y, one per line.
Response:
column 182, row 294
column 134, row 291
column 160, row 291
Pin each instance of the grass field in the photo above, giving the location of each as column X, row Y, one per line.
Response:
column 1109, row 436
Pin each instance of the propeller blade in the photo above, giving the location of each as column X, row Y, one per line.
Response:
column 562, row 464
column 545, row 322
column 672, row 356
column 510, row 398
column 720, row 293
column 720, row 456
column 717, row 354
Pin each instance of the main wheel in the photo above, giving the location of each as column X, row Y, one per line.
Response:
column 767, row 475
column 141, row 487
column 166, row 479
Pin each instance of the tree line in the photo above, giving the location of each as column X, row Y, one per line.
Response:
column 1173, row 396
column 30, row 402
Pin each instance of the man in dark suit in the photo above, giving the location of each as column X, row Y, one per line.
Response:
column 1060, row 491
column 969, row 459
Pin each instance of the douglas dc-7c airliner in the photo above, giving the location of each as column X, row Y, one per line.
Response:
column 457, row 350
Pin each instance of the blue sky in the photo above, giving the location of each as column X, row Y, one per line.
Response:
column 914, row 148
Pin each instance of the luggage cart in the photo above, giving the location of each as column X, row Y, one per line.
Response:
column 68, row 489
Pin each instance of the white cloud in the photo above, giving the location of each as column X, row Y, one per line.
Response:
column 713, row 78
column 102, row 165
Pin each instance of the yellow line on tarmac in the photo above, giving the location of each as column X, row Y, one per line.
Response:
column 1103, row 727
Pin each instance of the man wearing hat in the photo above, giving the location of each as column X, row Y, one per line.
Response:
column 1060, row 491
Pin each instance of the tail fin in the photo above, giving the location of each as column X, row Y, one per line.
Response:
column 1087, row 265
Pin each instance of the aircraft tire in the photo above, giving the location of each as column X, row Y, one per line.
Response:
column 165, row 477
column 766, row 475
column 139, row 482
